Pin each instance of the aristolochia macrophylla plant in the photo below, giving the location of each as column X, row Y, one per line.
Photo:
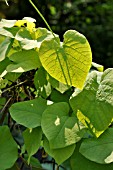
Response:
column 52, row 100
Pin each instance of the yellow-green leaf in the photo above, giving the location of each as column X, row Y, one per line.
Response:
column 68, row 62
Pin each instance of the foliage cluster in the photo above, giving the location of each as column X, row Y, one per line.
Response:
column 93, row 18
column 54, row 100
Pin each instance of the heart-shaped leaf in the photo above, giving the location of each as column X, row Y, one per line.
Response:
column 28, row 113
column 68, row 62
column 60, row 129
column 99, row 150
column 95, row 101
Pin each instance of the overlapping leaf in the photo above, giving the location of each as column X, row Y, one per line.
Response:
column 23, row 61
column 60, row 155
column 68, row 62
column 95, row 101
column 60, row 129
column 79, row 162
column 99, row 150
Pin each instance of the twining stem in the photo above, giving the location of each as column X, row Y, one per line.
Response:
column 42, row 17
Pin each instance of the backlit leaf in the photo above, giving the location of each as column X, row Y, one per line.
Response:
column 68, row 62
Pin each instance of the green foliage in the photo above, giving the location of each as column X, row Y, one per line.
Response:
column 49, row 103
column 8, row 148
column 98, row 89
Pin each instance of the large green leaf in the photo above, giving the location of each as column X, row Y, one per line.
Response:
column 23, row 61
column 5, row 47
column 32, row 140
column 42, row 85
column 68, row 62
column 8, row 149
column 79, row 162
column 99, row 150
column 28, row 113
column 60, row 129
column 60, row 155
column 95, row 101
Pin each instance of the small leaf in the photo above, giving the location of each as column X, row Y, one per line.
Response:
column 8, row 149
column 98, row 66
column 23, row 61
column 3, row 83
column 60, row 155
column 34, row 162
column 79, row 162
column 99, row 150
column 42, row 85
column 2, row 102
column 32, row 141
column 68, row 62
column 60, row 129
column 28, row 113
column 95, row 101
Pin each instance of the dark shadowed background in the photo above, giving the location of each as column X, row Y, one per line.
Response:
column 93, row 18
